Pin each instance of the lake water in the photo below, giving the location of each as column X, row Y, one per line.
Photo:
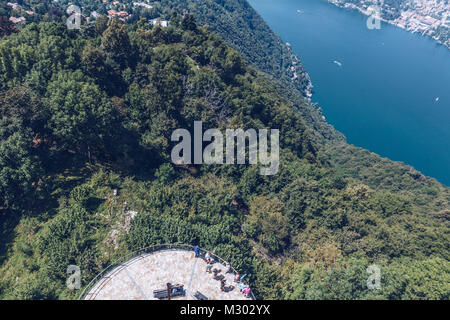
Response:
column 383, row 96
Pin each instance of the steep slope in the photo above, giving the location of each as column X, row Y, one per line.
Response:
column 244, row 29
column 84, row 114
column 241, row 26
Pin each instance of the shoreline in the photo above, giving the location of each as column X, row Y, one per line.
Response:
column 391, row 22
column 295, row 69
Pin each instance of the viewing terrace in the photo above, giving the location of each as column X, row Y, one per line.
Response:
column 156, row 272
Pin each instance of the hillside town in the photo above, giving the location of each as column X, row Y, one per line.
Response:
column 19, row 10
column 122, row 10
column 426, row 17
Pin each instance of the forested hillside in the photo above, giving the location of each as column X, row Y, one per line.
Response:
column 233, row 20
column 241, row 26
column 86, row 113
column 238, row 23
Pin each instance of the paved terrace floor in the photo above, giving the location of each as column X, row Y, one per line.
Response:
column 137, row 278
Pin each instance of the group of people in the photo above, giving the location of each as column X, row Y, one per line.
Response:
column 243, row 287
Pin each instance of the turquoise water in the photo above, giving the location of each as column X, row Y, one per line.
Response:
column 383, row 96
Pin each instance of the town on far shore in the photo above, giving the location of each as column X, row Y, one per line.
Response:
column 426, row 17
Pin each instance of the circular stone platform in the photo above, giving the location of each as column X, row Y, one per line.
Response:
column 137, row 278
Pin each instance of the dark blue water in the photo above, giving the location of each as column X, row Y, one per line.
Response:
column 383, row 96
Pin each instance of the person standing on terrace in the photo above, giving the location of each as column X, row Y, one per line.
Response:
column 208, row 257
column 197, row 251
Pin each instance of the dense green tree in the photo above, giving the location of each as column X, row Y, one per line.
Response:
column 20, row 171
column 82, row 117
column 101, row 24
column 427, row 279
column 188, row 23
column 23, row 104
column 6, row 26
column 116, row 44
column 267, row 223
